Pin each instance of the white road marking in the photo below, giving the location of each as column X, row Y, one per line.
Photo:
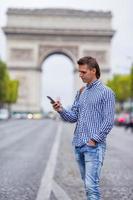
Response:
column 46, row 182
column 59, row 192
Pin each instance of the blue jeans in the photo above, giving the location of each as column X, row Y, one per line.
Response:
column 90, row 160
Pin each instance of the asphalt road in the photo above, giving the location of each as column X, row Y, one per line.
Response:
column 24, row 151
column 37, row 162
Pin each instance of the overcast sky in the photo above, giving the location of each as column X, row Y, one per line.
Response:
column 122, row 23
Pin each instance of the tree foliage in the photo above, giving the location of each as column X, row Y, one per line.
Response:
column 131, row 83
column 12, row 91
column 120, row 84
column 8, row 87
column 3, row 81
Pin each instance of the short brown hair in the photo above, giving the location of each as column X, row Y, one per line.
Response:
column 91, row 63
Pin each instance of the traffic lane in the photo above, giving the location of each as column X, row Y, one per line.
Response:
column 22, row 163
column 16, row 132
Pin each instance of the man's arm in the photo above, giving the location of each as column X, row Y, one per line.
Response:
column 108, row 117
column 68, row 115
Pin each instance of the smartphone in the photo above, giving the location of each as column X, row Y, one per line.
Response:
column 51, row 100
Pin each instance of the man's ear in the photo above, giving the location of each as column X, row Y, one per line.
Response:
column 94, row 70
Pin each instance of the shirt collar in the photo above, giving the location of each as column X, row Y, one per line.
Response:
column 96, row 82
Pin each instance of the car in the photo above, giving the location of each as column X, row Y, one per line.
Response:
column 129, row 122
column 121, row 119
column 51, row 115
column 37, row 116
column 4, row 114
column 19, row 115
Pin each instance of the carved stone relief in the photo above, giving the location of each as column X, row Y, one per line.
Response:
column 71, row 51
column 21, row 54
column 23, row 88
column 100, row 55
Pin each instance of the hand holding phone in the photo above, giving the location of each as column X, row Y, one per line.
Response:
column 51, row 100
column 57, row 107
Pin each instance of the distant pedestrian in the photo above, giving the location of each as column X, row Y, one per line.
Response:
column 93, row 111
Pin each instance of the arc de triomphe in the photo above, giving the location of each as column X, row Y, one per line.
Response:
column 33, row 35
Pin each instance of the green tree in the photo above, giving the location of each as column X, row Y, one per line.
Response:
column 4, row 78
column 12, row 93
column 8, row 87
column 131, row 89
column 120, row 84
column 131, row 83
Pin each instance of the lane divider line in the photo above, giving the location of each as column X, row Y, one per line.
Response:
column 47, row 178
column 59, row 192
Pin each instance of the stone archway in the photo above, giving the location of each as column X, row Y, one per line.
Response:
column 57, row 78
column 70, row 51
column 42, row 32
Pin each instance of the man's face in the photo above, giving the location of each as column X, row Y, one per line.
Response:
column 87, row 75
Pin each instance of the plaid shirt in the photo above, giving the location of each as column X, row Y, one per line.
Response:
column 93, row 110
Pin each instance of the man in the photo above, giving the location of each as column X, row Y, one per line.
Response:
column 93, row 110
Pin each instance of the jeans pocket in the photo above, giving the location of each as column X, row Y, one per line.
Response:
column 101, row 152
column 91, row 146
column 91, row 154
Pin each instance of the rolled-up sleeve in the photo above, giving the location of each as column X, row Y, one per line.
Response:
column 71, row 115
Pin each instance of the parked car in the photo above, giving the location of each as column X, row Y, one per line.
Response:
column 129, row 122
column 19, row 115
column 51, row 115
column 4, row 114
column 121, row 119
